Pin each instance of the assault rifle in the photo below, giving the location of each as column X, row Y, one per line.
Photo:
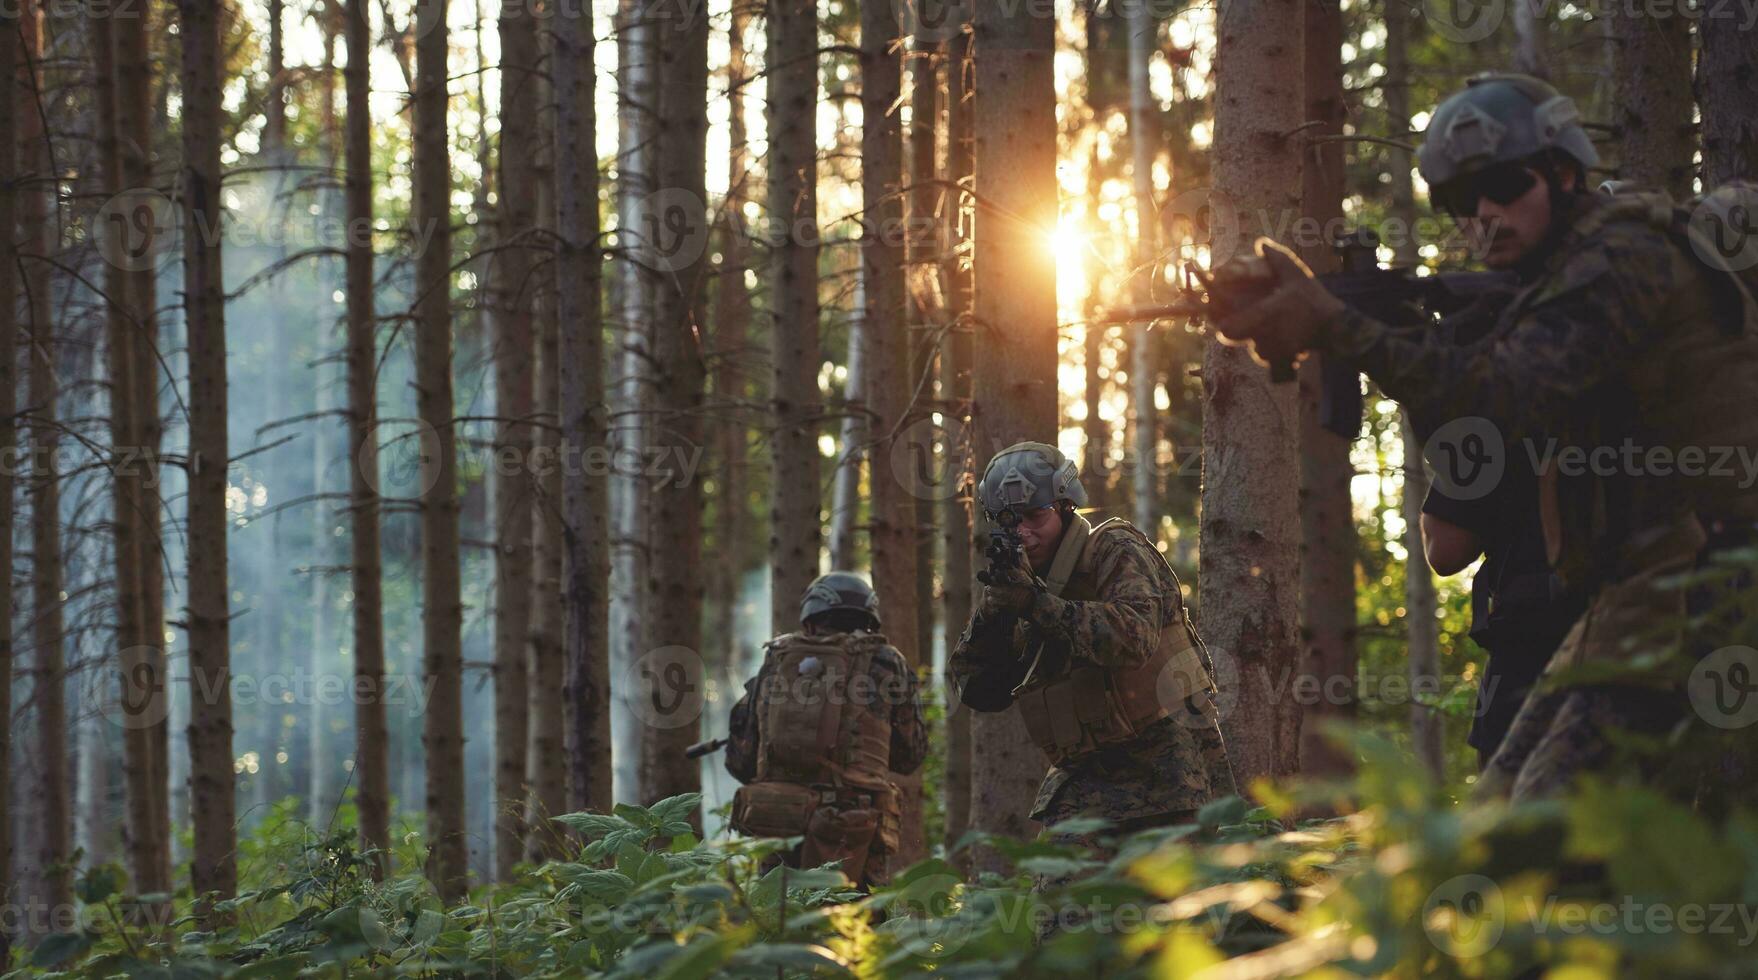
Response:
column 1397, row 297
column 708, row 747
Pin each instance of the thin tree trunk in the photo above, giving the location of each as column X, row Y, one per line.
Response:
column 9, row 58
column 1727, row 96
column 636, row 113
column 1529, row 49
column 514, row 486
column 1014, row 296
column 1426, row 728
column 1327, row 517
column 845, row 494
column 888, row 363
column 732, row 320
column 586, row 557
column 136, row 432
column 546, row 764
column 1653, row 98
column 372, row 794
column 213, row 870
column 1250, row 521
column 675, row 585
column 442, row 732
column 793, row 236
column 1144, row 374
column 955, row 372
column 48, row 688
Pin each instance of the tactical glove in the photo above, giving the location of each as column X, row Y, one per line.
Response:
column 1292, row 314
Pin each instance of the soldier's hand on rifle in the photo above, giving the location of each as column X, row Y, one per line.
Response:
column 1007, row 591
column 1292, row 309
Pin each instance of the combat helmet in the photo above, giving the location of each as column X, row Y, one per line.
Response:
column 1029, row 475
column 1501, row 118
column 840, row 592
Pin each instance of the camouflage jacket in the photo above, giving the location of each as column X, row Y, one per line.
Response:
column 1133, row 594
column 895, row 689
column 1615, row 369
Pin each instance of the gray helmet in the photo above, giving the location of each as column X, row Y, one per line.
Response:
column 839, row 591
column 1029, row 475
column 1500, row 118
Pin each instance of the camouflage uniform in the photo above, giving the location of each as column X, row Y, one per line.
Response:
column 1621, row 337
column 1111, row 613
column 890, row 693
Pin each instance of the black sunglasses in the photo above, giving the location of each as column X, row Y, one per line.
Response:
column 1503, row 183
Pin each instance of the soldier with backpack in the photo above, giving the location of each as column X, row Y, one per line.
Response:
column 1625, row 366
column 830, row 717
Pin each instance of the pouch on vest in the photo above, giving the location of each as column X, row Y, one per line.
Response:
column 773, row 809
column 835, row 834
column 1644, row 613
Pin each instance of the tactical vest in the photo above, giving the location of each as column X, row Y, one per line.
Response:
column 1084, row 706
column 1693, row 389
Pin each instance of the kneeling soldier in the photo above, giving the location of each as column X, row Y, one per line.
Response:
column 1084, row 628
column 831, row 714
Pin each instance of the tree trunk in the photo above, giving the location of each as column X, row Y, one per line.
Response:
column 586, row 555
column 890, row 382
column 442, row 731
column 214, row 869
column 50, row 797
column 514, row 485
column 1250, row 522
column 1653, row 98
column 1144, row 375
column 955, row 372
column 1529, row 48
column 9, row 59
column 1426, row 728
column 372, row 794
column 546, row 762
column 1327, row 516
column 845, row 494
column 1014, row 296
column 793, row 236
column 732, row 367
column 637, row 105
column 136, row 429
column 672, row 703
column 1727, row 96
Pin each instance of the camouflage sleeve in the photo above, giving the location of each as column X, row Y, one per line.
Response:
column 1121, row 628
column 741, row 734
column 1586, row 326
column 909, row 730
column 984, row 667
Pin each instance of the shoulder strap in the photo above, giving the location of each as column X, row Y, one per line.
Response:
column 1068, row 555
